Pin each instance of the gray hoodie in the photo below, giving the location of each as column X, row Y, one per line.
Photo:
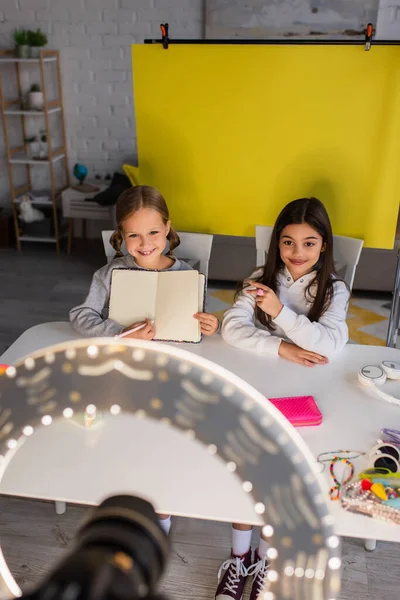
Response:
column 90, row 319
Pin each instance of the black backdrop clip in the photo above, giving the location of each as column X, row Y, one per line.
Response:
column 368, row 36
column 164, row 35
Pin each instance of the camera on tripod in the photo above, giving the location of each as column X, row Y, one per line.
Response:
column 119, row 554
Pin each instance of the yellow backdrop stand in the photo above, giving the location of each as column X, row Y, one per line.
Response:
column 231, row 133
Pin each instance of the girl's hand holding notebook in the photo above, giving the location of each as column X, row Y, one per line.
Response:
column 170, row 298
column 208, row 323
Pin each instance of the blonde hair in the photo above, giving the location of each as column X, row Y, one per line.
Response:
column 132, row 200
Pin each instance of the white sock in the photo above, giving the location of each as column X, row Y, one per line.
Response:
column 241, row 541
column 166, row 524
column 263, row 548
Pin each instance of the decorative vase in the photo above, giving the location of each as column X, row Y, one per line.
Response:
column 35, row 51
column 36, row 100
column 44, row 150
column 23, row 51
column 33, row 150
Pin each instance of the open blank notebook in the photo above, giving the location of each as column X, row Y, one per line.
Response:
column 170, row 298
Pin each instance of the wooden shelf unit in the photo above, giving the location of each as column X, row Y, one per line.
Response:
column 19, row 155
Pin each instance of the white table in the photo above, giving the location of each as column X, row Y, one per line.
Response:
column 181, row 478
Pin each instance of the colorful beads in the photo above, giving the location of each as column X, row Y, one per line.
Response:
column 354, row 498
column 391, row 493
column 334, row 492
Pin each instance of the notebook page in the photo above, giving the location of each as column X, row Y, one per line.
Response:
column 202, row 291
column 133, row 296
column 177, row 302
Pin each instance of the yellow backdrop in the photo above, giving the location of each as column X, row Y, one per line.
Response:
column 230, row 134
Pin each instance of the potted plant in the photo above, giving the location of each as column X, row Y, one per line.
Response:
column 21, row 42
column 44, row 149
column 35, row 96
column 32, row 147
column 23, row 102
column 36, row 40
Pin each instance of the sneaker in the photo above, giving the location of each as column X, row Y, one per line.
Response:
column 260, row 582
column 232, row 583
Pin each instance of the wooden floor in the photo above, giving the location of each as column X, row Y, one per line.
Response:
column 37, row 286
column 33, row 538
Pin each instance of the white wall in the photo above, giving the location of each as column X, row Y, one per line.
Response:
column 94, row 37
column 301, row 18
column 388, row 23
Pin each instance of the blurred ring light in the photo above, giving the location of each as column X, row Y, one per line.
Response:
column 235, row 418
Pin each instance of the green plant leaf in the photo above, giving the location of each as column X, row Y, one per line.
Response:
column 37, row 38
column 20, row 37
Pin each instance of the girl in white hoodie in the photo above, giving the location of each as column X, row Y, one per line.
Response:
column 294, row 307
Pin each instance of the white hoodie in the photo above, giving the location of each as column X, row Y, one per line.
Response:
column 327, row 336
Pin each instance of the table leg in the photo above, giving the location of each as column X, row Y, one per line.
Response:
column 61, row 507
column 370, row 545
column 70, row 232
column 394, row 312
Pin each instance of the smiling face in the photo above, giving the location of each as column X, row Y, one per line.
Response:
column 300, row 247
column 145, row 235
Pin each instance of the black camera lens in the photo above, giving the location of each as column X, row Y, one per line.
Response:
column 119, row 554
column 129, row 524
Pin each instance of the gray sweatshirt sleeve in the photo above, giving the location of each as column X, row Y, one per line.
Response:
column 87, row 319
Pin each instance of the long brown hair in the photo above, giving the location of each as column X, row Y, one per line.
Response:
column 321, row 287
column 132, row 200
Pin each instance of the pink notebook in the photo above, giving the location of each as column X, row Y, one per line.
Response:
column 301, row 411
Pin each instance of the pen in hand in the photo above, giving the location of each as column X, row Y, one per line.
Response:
column 136, row 328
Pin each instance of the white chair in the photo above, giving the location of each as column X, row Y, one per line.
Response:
column 195, row 249
column 346, row 252
column 263, row 238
